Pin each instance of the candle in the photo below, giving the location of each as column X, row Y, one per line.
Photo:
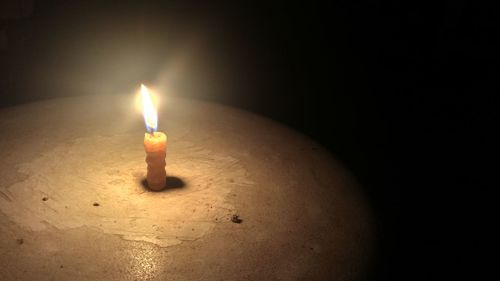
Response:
column 155, row 144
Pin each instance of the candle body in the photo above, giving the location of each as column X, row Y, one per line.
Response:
column 156, row 148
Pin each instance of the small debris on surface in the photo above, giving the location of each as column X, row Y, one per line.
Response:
column 61, row 266
column 45, row 198
column 236, row 219
column 20, row 241
column 96, row 204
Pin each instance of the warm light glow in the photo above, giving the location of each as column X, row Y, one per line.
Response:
column 149, row 110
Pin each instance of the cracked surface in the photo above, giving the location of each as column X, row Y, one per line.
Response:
column 70, row 188
column 95, row 169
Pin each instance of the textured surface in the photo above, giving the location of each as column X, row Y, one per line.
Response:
column 73, row 205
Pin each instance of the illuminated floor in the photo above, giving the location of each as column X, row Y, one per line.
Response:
column 73, row 205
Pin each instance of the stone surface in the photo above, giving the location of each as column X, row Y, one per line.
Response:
column 71, row 189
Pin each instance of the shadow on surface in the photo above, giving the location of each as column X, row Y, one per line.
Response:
column 172, row 183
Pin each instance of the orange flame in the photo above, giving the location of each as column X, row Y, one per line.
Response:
column 149, row 110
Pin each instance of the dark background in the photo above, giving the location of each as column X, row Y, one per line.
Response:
column 403, row 94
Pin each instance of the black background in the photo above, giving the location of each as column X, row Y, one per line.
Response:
column 404, row 94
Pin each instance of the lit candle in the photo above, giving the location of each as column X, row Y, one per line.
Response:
column 155, row 144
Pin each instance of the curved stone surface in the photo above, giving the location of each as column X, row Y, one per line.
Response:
column 73, row 206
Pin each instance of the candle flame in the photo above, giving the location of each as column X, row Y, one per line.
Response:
column 149, row 110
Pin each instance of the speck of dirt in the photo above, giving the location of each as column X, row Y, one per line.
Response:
column 236, row 219
column 20, row 241
column 61, row 266
column 96, row 204
column 45, row 198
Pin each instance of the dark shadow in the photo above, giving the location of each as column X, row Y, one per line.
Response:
column 172, row 183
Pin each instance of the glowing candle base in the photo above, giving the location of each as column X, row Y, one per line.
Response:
column 156, row 149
